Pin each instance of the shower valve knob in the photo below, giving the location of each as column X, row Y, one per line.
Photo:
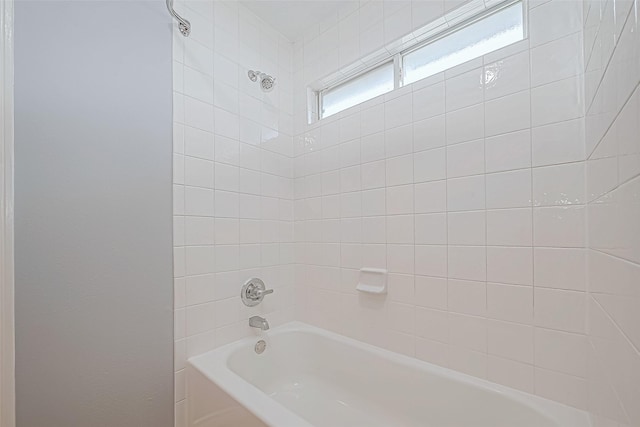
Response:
column 253, row 292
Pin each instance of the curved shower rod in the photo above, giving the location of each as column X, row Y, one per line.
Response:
column 183, row 24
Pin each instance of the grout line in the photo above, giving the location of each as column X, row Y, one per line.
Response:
column 606, row 131
column 628, row 341
column 531, row 210
column 484, row 179
column 613, row 52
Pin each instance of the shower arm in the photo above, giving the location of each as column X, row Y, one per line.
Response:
column 183, row 24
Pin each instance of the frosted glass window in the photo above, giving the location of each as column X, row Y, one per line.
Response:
column 362, row 88
column 471, row 41
column 476, row 35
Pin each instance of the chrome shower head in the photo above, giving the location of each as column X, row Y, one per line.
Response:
column 267, row 82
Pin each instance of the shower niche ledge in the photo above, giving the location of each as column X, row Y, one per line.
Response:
column 372, row 281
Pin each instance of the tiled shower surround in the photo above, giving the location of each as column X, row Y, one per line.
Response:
column 233, row 179
column 612, row 99
column 469, row 188
column 507, row 220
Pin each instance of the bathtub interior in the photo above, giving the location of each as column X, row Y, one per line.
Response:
column 330, row 383
column 209, row 406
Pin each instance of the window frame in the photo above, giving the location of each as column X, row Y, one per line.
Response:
column 398, row 58
column 396, row 84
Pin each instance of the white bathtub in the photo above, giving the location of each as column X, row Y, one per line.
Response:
column 311, row 377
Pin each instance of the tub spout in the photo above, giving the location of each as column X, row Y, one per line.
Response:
column 259, row 322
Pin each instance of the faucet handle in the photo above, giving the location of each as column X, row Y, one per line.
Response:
column 253, row 292
column 260, row 293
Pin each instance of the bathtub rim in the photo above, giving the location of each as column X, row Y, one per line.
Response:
column 214, row 366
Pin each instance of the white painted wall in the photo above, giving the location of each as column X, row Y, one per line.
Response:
column 93, row 214
column 7, row 319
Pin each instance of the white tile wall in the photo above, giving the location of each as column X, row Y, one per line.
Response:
column 233, row 178
column 612, row 74
column 468, row 187
column 510, row 257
